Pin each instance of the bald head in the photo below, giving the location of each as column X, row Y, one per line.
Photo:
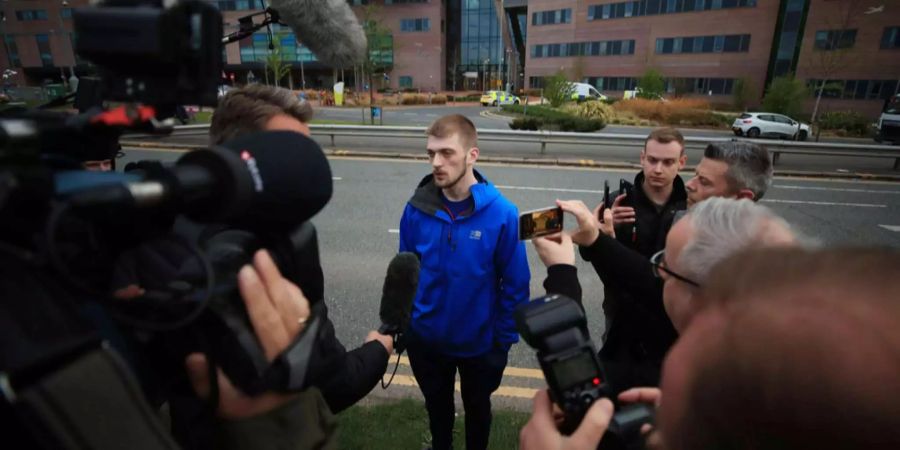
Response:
column 796, row 349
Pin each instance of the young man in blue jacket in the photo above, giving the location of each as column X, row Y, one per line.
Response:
column 474, row 273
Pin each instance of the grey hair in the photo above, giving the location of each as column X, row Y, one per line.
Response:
column 721, row 228
column 249, row 108
column 749, row 165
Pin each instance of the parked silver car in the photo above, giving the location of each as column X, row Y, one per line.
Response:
column 761, row 124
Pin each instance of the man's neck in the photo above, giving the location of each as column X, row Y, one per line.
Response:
column 461, row 189
column 659, row 196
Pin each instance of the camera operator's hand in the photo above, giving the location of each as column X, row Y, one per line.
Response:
column 541, row 432
column 622, row 214
column 651, row 396
column 555, row 249
column 386, row 341
column 278, row 311
column 588, row 224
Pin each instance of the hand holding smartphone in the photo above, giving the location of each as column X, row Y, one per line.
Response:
column 540, row 222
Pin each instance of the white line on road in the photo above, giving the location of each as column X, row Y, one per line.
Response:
column 394, row 231
column 803, row 202
column 894, row 228
column 336, row 178
column 530, row 188
column 813, row 188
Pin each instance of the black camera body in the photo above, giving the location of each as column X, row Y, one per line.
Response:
column 556, row 327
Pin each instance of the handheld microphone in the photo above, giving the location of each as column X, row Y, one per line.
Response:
column 273, row 180
column 398, row 293
column 328, row 27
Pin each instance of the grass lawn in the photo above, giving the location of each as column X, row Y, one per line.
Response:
column 403, row 424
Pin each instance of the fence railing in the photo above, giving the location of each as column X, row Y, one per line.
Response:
column 549, row 138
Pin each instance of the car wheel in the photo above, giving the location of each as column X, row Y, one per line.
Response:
column 738, row 132
column 753, row 133
column 802, row 135
column 495, row 103
column 516, row 102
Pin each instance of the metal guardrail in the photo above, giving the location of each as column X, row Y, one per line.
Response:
column 545, row 138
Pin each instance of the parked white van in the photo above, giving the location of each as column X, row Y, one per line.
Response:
column 584, row 91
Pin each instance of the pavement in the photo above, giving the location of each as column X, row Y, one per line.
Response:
column 358, row 235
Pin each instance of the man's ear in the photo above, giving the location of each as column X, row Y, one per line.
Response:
column 746, row 193
column 472, row 156
column 682, row 161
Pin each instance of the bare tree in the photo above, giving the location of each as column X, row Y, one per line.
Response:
column 834, row 53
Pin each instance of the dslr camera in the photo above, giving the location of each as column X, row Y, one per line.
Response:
column 556, row 327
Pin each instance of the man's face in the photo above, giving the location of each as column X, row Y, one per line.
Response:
column 100, row 165
column 661, row 163
column 710, row 180
column 284, row 122
column 450, row 162
column 678, row 296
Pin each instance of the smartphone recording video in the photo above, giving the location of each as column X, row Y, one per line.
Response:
column 540, row 222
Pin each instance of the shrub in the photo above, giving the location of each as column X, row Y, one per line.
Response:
column 558, row 90
column 544, row 112
column 785, row 96
column 414, row 99
column 439, row 99
column 651, row 85
column 851, row 123
column 526, row 123
column 594, row 110
column 742, row 93
column 580, row 124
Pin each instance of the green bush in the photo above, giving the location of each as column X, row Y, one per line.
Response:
column 785, row 96
column 557, row 89
column 526, row 123
column 595, row 110
column 579, row 124
column 651, row 85
column 850, row 122
column 544, row 112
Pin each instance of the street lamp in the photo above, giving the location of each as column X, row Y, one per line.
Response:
column 484, row 74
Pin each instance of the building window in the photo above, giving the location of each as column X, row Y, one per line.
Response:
column 12, row 51
column 890, row 38
column 406, row 82
column 399, row 2
column 854, row 89
column 654, row 7
column 415, row 25
column 704, row 44
column 43, row 44
column 595, row 48
column 27, row 15
column 237, row 5
column 612, row 83
column 835, row 39
column 65, row 13
column 552, row 17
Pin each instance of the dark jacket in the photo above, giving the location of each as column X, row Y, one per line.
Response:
column 640, row 332
column 474, row 271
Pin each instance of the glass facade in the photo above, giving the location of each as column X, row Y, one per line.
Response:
column 890, row 38
column 12, row 51
column 788, row 36
column 595, row 48
column 43, row 44
column 835, row 39
column 480, row 45
column 552, row 17
column 256, row 49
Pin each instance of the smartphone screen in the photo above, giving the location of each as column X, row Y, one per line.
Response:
column 540, row 222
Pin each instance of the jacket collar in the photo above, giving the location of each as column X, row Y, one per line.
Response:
column 427, row 196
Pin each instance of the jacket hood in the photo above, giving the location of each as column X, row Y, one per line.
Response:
column 427, row 196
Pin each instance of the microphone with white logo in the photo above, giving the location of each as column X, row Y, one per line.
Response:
column 273, row 180
column 328, row 27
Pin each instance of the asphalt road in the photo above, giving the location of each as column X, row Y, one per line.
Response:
column 358, row 236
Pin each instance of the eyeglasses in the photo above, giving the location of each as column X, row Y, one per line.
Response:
column 658, row 262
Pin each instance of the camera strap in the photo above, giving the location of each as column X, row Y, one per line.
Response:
column 93, row 402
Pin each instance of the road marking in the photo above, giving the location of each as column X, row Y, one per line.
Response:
column 520, row 372
column 336, row 178
column 531, row 188
column 393, row 231
column 506, row 391
column 813, row 188
column 803, row 202
column 894, row 228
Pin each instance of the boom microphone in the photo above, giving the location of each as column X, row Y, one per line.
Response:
column 328, row 27
column 399, row 291
column 273, row 180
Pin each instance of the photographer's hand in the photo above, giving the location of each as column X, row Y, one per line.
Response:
column 651, row 396
column 588, row 224
column 541, row 432
column 278, row 311
column 555, row 249
column 385, row 340
column 622, row 214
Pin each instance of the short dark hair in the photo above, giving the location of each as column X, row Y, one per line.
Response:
column 447, row 126
column 247, row 110
column 664, row 136
column 749, row 165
